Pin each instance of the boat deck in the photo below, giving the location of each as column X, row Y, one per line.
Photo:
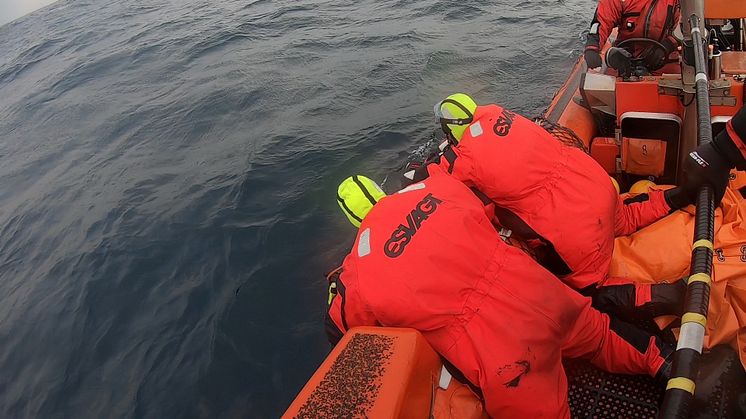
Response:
column 593, row 393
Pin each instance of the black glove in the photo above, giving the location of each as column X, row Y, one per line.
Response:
column 657, row 58
column 727, row 145
column 711, row 163
column 619, row 59
column 677, row 198
column 593, row 58
column 704, row 166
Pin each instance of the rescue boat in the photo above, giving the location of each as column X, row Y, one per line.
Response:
column 638, row 125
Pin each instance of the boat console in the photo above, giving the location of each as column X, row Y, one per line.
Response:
column 647, row 121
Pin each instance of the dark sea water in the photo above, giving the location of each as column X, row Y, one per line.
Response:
column 168, row 174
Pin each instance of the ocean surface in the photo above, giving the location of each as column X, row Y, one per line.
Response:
column 168, row 174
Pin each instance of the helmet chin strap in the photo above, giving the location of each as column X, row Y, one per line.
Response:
column 447, row 131
column 451, row 139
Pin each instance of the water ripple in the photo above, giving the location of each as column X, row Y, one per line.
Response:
column 169, row 168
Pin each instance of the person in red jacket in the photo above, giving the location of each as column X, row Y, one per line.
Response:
column 428, row 257
column 651, row 19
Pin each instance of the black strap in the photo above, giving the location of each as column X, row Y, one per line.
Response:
column 341, row 291
column 450, row 157
column 482, row 196
column 365, row 191
column 349, row 211
column 333, row 334
column 651, row 9
column 668, row 26
column 643, row 197
column 630, row 14
column 549, row 258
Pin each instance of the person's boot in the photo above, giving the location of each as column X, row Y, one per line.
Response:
column 664, row 372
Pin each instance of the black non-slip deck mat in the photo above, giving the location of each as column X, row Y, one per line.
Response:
column 720, row 393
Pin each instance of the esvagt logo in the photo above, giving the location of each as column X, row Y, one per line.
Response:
column 504, row 123
column 401, row 237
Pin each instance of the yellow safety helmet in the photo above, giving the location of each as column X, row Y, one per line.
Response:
column 616, row 184
column 455, row 113
column 356, row 196
column 641, row 186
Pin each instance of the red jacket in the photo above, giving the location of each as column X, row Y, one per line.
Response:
column 558, row 190
column 429, row 258
column 653, row 19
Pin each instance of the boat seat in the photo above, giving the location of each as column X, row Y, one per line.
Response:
column 725, row 9
column 733, row 62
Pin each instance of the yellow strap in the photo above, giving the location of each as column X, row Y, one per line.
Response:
column 682, row 383
column 332, row 292
column 701, row 277
column 694, row 318
column 703, row 243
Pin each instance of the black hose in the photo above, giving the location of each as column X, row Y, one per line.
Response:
column 680, row 388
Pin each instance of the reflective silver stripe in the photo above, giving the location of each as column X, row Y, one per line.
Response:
column 409, row 175
column 363, row 245
column 445, row 378
column 378, row 188
column 700, row 76
column 415, row 187
column 692, row 336
column 594, row 29
column 475, row 129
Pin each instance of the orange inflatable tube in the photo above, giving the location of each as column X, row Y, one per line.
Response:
column 381, row 372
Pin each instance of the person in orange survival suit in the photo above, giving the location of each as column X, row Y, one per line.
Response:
column 428, row 258
column 545, row 190
column 650, row 19
column 557, row 194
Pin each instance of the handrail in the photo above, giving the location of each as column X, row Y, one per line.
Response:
column 680, row 388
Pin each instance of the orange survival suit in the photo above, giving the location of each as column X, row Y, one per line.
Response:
column 428, row 257
column 559, row 191
column 652, row 19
